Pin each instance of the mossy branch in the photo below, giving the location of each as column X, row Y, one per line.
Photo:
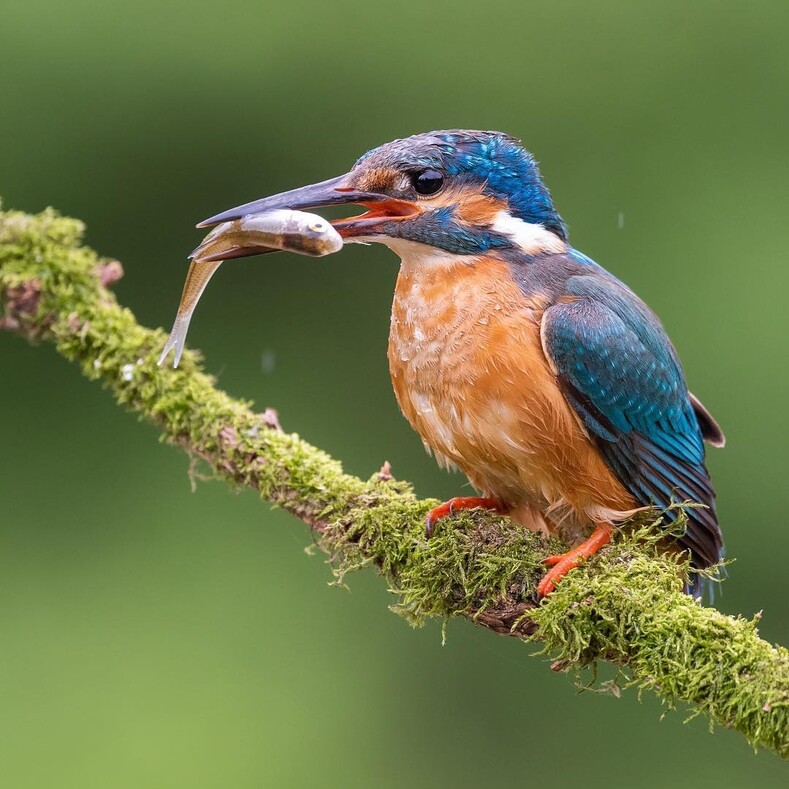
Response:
column 625, row 606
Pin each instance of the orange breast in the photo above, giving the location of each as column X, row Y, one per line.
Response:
column 471, row 377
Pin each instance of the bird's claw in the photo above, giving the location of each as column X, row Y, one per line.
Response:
column 441, row 511
column 454, row 505
column 562, row 563
column 560, row 568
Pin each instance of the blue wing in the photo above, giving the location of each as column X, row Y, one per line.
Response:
column 620, row 373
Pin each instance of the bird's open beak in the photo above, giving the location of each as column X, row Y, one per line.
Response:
column 336, row 191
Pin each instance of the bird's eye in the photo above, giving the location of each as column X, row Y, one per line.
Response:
column 428, row 182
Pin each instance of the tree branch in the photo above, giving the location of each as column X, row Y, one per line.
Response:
column 625, row 606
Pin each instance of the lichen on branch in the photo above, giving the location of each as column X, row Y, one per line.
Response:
column 625, row 606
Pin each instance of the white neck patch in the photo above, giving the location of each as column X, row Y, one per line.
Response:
column 530, row 238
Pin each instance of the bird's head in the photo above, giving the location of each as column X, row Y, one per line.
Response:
column 463, row 192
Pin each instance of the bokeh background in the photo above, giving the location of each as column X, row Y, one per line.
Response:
column 155, row 637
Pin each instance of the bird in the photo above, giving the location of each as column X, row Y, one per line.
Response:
column 518, row 359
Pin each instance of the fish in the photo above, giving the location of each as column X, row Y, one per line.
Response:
column 281, row 230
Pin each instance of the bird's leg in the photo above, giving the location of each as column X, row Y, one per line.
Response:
column 456, row 504
column 561, row 564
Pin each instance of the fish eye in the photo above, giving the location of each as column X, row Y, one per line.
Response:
column 427, row 182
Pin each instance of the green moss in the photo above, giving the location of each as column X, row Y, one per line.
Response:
column 628, row 607
column 625, row 605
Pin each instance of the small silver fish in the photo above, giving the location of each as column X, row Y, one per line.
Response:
column 290, row 231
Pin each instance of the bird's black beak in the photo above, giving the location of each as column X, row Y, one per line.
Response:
column 335, row 191
column 381, row 208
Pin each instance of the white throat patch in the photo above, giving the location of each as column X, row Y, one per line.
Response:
column 530, row 238
column 414, row 253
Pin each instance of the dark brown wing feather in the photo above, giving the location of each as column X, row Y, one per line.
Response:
column 710, row 429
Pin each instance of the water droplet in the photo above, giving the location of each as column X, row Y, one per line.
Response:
column 268, row 361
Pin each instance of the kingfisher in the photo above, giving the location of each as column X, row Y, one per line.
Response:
column 516, row 358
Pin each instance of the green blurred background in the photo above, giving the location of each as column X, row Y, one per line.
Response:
column 152, row 637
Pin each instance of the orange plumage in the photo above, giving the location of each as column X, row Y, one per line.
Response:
column 471, row 376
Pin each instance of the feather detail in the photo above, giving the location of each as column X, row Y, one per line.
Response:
column 710, row 429
column 619, row 372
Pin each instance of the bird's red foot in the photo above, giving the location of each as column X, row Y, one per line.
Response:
column 458, row 503
column 561, row 564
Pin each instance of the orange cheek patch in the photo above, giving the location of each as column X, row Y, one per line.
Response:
column 479, row 209
column 470, row 203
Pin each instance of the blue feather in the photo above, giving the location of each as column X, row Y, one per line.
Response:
column 621, row 374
